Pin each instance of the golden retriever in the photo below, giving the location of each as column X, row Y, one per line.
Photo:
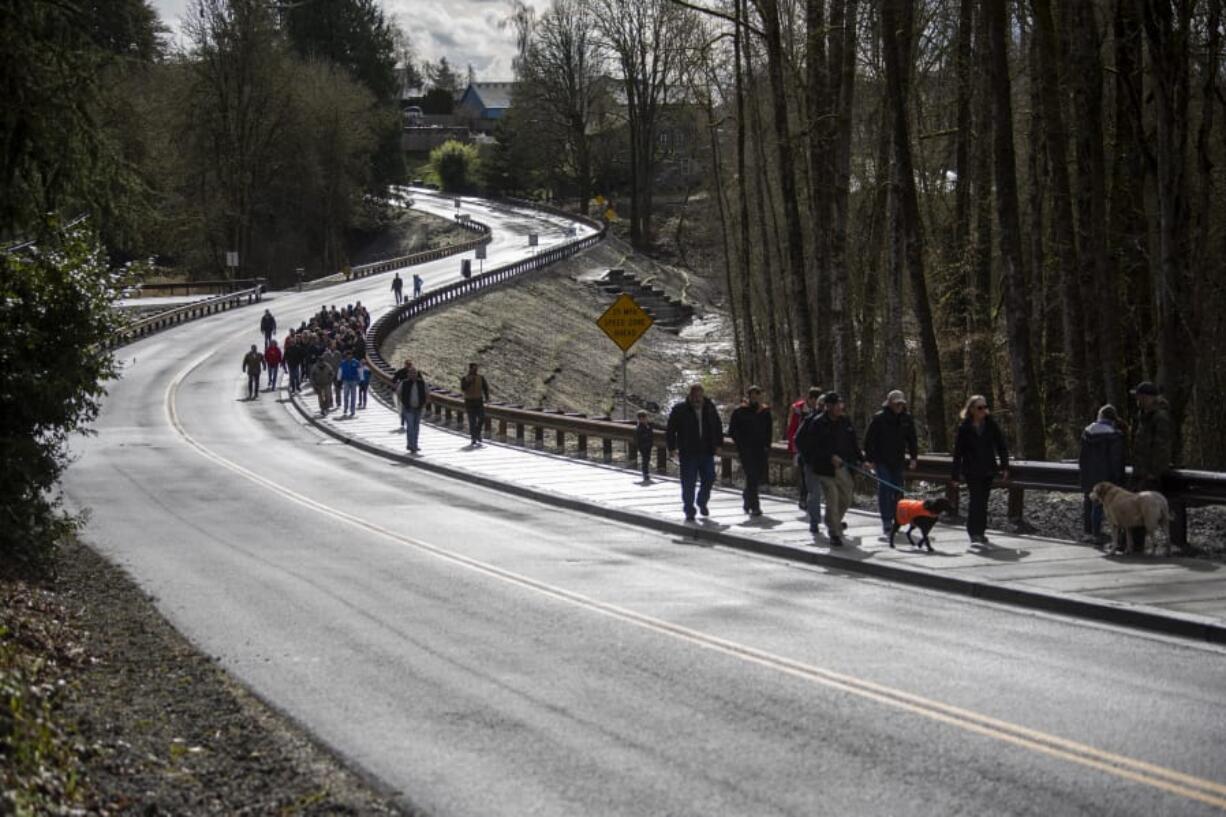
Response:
column 1126, row 510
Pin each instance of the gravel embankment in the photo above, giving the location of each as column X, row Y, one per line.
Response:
column 148, row 725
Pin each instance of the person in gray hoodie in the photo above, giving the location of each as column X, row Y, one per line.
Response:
column 1101, row 460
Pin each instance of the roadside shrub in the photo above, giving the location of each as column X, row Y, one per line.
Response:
column 455, row 165
column 55, row 307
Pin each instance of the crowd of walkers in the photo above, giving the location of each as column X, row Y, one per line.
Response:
column 826, row 450
column 328, row 351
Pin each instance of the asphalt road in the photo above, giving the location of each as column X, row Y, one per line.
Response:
column 484, row 655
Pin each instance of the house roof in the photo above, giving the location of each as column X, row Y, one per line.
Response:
column 491, row 95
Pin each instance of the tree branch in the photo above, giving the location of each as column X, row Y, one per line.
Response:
column 721, row 15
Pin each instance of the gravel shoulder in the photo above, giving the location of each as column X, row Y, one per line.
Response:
column 137, row 721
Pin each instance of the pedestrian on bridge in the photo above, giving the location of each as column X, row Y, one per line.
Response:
column 750, row 428
column 694, row 433
column 412, row 393
column 1101, row 459
column 398, row 288
column 829, row 445
column 350, row 376
column 1153, row 446
column 268, row 325
column 802, row 408
column 364, row 375
column 980, row 454
column 295, row 359
column 322, row 376
column 476, row 391
column 889, row 442
column 644, row 442
column 273, row 358
column 253, row 363
column 417, row 284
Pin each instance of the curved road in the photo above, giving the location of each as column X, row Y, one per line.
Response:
column 485, row 655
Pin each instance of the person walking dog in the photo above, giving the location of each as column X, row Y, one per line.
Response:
column 889, row 443
column 1101, row 459
column 980, row 453
column 695, row 432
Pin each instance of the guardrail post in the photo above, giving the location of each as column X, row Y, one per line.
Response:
column 661, row 459
column 519, row 433
column 582, row 443
column 1017, row 503
column 538, row 437
column 951, row 494
column 725, row 467
column 1179, row 524
column 606, row 449
column 502, row 429
column 561, row 441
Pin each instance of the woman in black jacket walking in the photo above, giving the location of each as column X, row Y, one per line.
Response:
column 980, row 453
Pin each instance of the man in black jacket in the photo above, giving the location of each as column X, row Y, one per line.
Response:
column 695, row 432
column 750, row 428
column 831, row 450
column 889, row 443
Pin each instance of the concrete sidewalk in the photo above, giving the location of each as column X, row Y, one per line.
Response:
column 1179, row 596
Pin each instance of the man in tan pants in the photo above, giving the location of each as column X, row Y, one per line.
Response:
column 834, row 449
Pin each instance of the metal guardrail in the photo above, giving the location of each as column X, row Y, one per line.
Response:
column 215, row 287
column 389, row 264
column 188, row 312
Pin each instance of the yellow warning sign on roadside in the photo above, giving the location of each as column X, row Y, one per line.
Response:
column 624, row 322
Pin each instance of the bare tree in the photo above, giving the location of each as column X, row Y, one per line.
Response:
column 650, row 41
column 559, row 70
column 1026, row 395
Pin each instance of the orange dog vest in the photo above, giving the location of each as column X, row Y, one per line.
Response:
column 909, row 510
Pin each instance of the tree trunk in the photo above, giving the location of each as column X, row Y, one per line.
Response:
column 896, row 30
column 1168, row 42
column 1103, row 344
column 1128, row 225
column 980, row 349
column 1017, row 310
column 750, row 334
column 794, row 241
column 1064, row 244
column 843, row 59
column 818, row 112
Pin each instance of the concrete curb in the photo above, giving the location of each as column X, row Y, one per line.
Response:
column 1141, row 617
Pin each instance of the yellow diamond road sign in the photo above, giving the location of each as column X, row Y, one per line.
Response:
column 624, row 322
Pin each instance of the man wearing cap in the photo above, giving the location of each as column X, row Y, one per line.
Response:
column 889, row 443
column 832, row 450
column 1152, row 445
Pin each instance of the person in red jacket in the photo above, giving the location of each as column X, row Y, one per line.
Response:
column 799, row 410
column 273, row 357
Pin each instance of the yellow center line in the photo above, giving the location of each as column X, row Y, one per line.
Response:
column 1171, row 781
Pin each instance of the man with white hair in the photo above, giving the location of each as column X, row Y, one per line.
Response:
column 888, row 444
